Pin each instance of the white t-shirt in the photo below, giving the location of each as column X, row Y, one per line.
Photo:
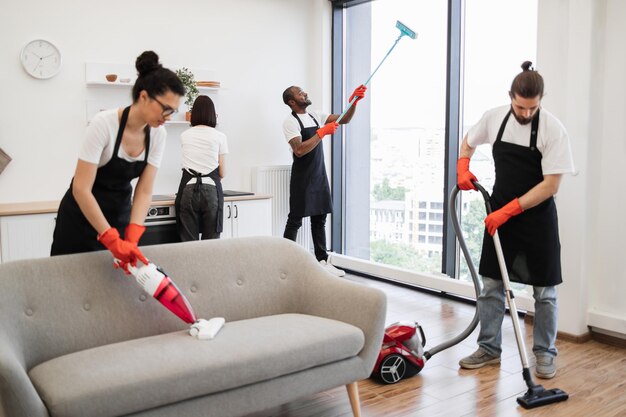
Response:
column 291, row 128
column 100, row 141
column 201, row 147
column 552, row 138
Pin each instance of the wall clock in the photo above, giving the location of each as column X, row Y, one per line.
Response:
column 41, row 59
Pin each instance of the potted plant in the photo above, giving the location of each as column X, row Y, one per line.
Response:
column 189, row 81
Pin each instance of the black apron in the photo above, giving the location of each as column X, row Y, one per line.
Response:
column 530, row 240
column 112, row 189
column 309, row 192
column 215, row 176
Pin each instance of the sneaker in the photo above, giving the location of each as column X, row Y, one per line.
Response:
column 478, row 359
column 546, row 366
column 330, row 268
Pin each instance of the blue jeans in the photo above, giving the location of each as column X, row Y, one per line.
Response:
column 491, row 307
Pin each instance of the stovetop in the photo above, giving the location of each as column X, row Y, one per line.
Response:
column 163, row 197
column 233, row 193
column 227, row 193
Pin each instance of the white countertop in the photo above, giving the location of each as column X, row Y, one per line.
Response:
column 39, row 207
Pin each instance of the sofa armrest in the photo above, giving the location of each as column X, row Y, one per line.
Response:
column 349, row 302
column 18, row 396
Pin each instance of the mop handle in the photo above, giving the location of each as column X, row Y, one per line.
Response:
column 368, row 80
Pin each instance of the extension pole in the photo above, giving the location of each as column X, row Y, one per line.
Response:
column 404, row 30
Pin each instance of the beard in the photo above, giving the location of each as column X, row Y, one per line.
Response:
column 522, row 120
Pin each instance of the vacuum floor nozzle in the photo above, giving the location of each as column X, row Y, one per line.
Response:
column 405, row 30
column 538, row 396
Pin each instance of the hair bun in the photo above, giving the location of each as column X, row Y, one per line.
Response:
column 147, row 62
column 527, row 66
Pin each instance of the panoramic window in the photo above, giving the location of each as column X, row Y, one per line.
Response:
column 394, row 157
column 393, row 151
column 490, row 64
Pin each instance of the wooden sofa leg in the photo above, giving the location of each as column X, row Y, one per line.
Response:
column 353, row 393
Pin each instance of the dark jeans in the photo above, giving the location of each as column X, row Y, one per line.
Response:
column 198, row 213
column 318, row 232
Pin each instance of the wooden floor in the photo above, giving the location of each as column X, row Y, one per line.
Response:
column 592, row 373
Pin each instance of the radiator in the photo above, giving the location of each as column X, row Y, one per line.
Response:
column 274, row 180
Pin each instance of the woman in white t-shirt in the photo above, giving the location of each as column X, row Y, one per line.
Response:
column 200, row 200
column 120, row 145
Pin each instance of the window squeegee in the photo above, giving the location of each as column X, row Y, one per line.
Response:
column 404, row 31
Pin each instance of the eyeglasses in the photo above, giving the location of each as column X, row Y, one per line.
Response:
column 167, row 110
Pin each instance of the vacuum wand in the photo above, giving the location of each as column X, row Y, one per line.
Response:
column 536, row 395
column 404, row 31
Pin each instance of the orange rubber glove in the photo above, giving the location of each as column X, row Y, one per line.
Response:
column 125, row 252
column 359, row 93
column 134, row 232
column 327, row 129
column 464, row 177
column 501, row 216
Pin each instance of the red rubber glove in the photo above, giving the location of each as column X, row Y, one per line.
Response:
column 133, row 232
column 501, row 216
column 359, row 93
column 464, row 177
column 327, row 129
column 125, row 252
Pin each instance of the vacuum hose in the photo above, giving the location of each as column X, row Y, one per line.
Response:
column 477, row 284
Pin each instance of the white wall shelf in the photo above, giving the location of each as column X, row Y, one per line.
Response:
column 103, row 94
column 108, row 84
column 95, row 75
column 130, row 85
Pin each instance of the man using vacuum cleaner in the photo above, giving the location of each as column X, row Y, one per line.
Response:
column 531, row 152
column 308, row 188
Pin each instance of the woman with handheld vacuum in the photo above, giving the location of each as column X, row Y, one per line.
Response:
column 121, row 144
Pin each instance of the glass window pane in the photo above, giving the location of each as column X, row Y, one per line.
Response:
column 394, row 146
column 491, row 63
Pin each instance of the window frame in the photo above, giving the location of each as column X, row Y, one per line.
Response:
column 450, row 267
column 454, row 80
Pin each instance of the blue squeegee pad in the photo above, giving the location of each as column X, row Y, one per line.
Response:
column 405, row 30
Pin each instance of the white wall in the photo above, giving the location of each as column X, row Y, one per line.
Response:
column 257, row 48
column 582, row 57
column 260, row 47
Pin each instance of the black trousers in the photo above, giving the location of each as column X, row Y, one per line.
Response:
column 198, row 213
column 318, row 232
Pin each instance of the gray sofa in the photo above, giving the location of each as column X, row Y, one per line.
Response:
column 81, row 339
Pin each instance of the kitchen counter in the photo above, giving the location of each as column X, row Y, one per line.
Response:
column 39, row 207
column 33, row 207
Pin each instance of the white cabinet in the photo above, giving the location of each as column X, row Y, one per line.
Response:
column 26, row 236
column 247, row 218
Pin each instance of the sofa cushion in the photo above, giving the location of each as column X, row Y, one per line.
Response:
column 140, row 374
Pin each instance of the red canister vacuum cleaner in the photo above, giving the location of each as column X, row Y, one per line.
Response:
column 402, row 353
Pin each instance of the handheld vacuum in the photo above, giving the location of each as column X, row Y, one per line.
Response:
column 156, row 283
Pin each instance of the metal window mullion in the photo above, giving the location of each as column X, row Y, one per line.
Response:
column 337, row 151
column 453, row 125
